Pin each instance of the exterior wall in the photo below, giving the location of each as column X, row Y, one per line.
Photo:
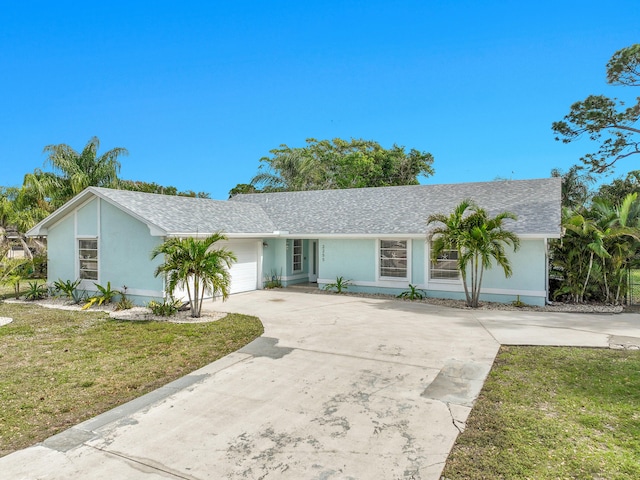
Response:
column 356, row 260
column 124, row 247
column 61, row 251
column 274, row 256
column 125, row 254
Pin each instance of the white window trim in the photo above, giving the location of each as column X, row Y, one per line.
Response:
column 409, row 260
column 293, row 255
column 427, row 273
column 86, row 282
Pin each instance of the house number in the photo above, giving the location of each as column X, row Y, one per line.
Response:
column 323, row 252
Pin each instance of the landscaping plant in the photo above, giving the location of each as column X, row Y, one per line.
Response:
column 168, row 307
column 339, row 286
column 105, row 295
column 194, row 264
column 413, row 293
column 36, row 291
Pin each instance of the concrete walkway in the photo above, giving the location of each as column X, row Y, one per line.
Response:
column 338, row 387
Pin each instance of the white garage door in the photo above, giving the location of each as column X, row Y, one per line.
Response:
column 244, row 273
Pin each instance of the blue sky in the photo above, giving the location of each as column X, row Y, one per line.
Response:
column 198, row 92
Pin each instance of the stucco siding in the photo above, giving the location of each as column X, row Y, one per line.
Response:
column 126, row 245
column 87, row 219
column 61, row 252
column 351, row 259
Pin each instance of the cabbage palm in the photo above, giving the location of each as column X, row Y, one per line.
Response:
column 195, row 265
column 479, row 240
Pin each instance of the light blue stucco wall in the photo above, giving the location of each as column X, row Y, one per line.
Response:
column 356, row 260
column 124, row 247
column 61, row 252
column 274, row 257
column 351, row 259
column 87, row 219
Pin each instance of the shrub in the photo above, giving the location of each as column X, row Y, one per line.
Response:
column 166, row 308
column 413, row 293
column 273, row 281
column 339, row 285
column 105, row 295
column 66, row 288
column 36, row 291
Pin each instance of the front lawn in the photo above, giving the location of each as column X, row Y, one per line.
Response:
column 59, row 368
column 554, row 413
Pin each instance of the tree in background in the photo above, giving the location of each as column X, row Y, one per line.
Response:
column 195, row 265
column 601, row 240
column 575, row 186
column 74, row 171
column 337, row 163
column 619, row 188
column 605, row 119
column 479, row 240
column 152, row 187
column 19, row 211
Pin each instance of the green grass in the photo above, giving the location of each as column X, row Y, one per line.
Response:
column 634, row 287
column 554, row 413
column 59, row 368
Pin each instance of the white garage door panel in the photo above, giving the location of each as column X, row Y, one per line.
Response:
column 244, row 272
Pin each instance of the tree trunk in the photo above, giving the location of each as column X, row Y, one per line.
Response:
column 586, row 280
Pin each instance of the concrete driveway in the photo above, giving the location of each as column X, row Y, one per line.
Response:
column 338, row 387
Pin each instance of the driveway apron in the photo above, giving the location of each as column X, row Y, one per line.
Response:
column 338, row 387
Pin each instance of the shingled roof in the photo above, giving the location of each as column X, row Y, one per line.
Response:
column 404, row 210
column 175, row 215
column 353, row 212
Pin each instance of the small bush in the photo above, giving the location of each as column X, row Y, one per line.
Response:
column 105, row 295
column 339, row 286
column 274, row 280
column 124, row 304
column 36, row 291
column 166, row 308
column 66, row 288
column 413, row 293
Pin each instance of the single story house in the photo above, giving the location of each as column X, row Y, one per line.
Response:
column 377, row 238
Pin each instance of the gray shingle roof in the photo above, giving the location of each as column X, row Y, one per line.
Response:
column 404, row 210
column 363, row 211
column 175, row 214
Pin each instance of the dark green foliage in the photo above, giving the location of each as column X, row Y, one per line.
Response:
column 168, row 307
column 67, row 288
column 600, row 244
column 36, row 291
column 479, row 240
column 607, row 120
column 196, row 265
column 413, row 293
column 337, row 163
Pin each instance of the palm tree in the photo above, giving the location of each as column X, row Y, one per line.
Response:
column 479, row 241
column 74, row 171
column 195, row 265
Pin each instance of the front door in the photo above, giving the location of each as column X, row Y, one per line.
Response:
column 313, row 261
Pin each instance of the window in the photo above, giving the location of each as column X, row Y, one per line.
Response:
column 88, row 256
column 393, row 258
column 297, row 255
column 445, row 267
